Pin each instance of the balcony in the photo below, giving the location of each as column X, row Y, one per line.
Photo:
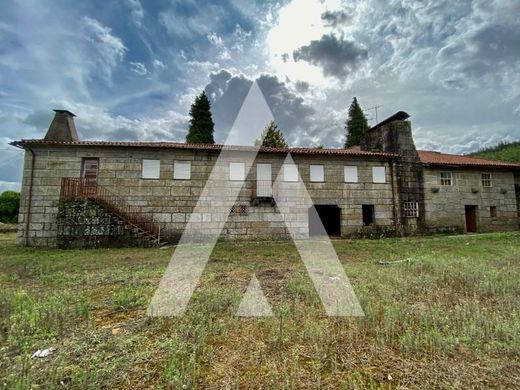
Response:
column 263, row 191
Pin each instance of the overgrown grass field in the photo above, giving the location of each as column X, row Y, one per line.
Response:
column 447, row 317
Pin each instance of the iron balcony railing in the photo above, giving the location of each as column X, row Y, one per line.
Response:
column 263, row 189
column 72, row 188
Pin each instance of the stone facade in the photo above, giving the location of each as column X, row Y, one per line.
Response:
column 172, row 201
column 445, row 204
column 394, row 135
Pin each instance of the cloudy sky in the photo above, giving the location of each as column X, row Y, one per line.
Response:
column 130, row 69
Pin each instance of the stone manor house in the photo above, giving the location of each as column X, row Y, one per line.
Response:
column 79, row 193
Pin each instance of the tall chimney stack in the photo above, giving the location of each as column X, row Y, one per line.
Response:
column 62, row 127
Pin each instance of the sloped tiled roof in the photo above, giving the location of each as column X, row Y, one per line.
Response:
column 178, row 145
column 436, row 158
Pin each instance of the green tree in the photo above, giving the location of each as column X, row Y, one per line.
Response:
column 9, row 206
column 272, row 137
column 356, row 124
column 201, row 123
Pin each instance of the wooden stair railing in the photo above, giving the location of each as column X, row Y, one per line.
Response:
column 72, row 188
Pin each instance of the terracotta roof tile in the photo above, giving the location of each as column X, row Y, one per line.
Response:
column 178, row 145
column 437, row 158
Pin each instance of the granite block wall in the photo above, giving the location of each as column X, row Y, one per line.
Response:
column 171, row 202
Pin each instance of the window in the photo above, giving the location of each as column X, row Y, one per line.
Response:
column 378, row 175
column 411, row 209
column 486, row 180
column 236, row 171
column 317, row 173
column 290, row 172
column 493, row 211
column 351, row 175
column 368, row 214
column 90, row 168
column 182, row 170
column 151, row 169
column 446, row 179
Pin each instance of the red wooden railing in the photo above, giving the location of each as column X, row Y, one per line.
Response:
column 72, row 188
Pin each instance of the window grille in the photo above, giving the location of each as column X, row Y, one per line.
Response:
column 239, row 209
column 446, row 179
column 486, row 180
column 411, row 209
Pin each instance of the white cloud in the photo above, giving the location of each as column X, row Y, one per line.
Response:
column 110, row 48
column 159, row 65
column 95, row 122
column 139, row 68
column 10, row 186
column 137, row 13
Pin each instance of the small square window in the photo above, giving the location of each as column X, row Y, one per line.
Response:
column 290, row 172
column 151, row 169
column 317, row 173
column 446, row 179
column 486, row 180
column 351, row 174
column 182, row 170
column 378, row 175
column 239, row 209
column 411, row 209
column 237, row 171
column 368, row 214
column 493, row 211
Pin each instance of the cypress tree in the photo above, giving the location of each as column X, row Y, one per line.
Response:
column 356, row 124
column 201, row 123
column 272, row 137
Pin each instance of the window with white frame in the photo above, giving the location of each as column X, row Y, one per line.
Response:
column 378, row 175
column 486, row 180
column 446, row 179
column 290, row 172
column 237, row 171
column 317, row 173
column 351, row 174
column 411, row 209
column 151, row 169
column 182, row 170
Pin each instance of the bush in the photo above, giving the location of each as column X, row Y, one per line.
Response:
column 9, row 206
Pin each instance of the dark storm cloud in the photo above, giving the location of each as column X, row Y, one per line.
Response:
column 302, row 86
column 227, row 92
column 337, row 57
column 334, row 18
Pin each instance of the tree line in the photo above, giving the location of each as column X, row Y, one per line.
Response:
column 201, row 126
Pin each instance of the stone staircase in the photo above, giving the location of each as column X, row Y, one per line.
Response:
column 90, row 216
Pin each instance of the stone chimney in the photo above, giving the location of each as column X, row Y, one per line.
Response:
column 394, row 135
column 62, row 127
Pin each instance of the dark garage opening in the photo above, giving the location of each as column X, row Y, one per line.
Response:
column 330, row 216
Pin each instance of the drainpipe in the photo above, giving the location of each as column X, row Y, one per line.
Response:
column 394, row 205
column 29, row 203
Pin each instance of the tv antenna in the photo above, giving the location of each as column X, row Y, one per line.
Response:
column 375, row 108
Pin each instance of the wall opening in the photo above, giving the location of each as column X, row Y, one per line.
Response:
column 368, row 214
column 330, row 217
column 517, row 192
column 471, row 218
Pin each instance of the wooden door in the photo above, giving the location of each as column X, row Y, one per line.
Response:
column 471, row 219
column 89, row 176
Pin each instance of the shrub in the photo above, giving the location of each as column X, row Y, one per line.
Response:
column 9, row 206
